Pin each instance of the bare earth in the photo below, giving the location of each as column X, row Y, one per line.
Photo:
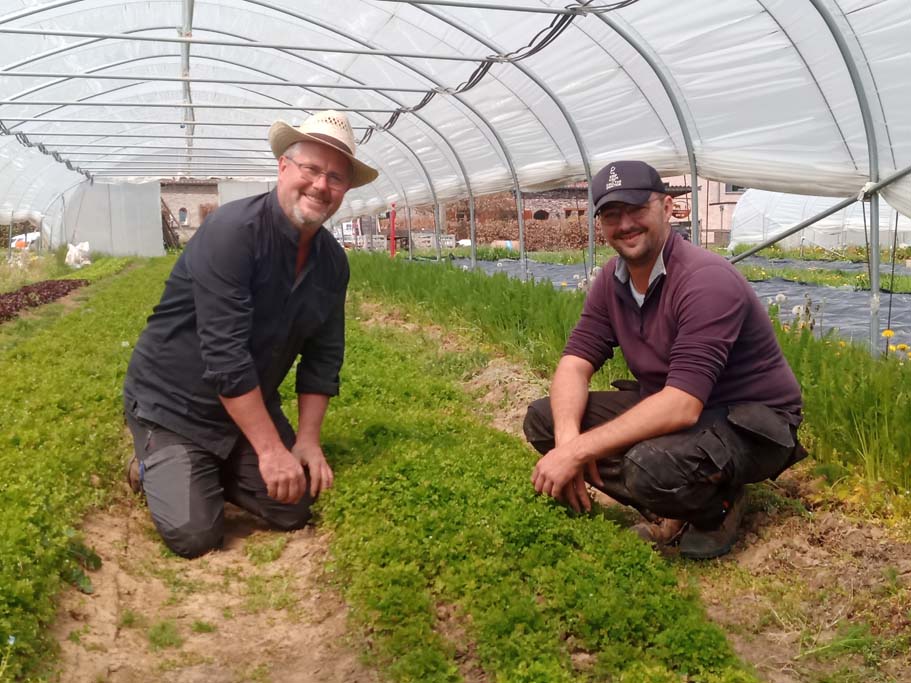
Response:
column 807, row 595
column 238, row 621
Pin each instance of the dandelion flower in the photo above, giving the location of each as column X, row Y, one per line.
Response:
column 780, row 298
column 888, row 334
column 796, row 310
column 563, row 284
column 842, row 344
column 892, row 347
column 902, row 347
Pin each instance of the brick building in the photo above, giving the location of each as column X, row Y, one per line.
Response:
column 189, row 200
column 558, row 219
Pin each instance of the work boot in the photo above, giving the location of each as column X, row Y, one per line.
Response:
column 134, row 474
column 700, row 544
column 662, row 531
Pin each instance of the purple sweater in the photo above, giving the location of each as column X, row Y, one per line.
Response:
column 701, row 329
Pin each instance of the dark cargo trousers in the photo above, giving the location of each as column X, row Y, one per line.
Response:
column 186, row 487
column 691, row 475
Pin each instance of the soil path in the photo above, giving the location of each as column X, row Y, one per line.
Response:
column 258, row 610
column 807, row 595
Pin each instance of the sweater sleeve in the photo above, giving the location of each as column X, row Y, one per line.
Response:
column 710, row 315
column 593, row 337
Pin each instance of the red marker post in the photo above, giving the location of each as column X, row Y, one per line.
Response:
column 392, row 231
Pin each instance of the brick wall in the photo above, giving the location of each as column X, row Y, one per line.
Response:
column 566, row 222
column 190, row 197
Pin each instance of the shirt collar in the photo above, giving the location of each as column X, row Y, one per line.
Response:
column 621, row 270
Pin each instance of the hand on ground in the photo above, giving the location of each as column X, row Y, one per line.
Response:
column 321, row 475
column 554, row 471
column 283, row 475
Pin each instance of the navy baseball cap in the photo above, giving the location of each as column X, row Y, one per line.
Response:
column 630, row 182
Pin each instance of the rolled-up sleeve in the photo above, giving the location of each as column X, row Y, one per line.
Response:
column 710, row 315
column 221, row 269
column 322, row 356
column 593, row 337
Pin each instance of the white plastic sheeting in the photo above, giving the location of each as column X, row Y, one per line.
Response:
column 121, row 219
column 229, row 190
column 759, row 87
column 760, row 215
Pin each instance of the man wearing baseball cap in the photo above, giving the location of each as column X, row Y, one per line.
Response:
column 260, row 285
column 714, row 405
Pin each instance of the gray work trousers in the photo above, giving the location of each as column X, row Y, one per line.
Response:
column 692, row 475
column 186, row 487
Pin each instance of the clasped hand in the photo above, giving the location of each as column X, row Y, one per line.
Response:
column 283, row 473
column 560, row 475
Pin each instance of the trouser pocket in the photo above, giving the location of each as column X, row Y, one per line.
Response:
column 769, row 440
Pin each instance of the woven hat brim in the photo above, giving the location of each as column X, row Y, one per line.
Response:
column 282, row 136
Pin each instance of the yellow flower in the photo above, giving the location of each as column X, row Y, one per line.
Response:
column 842, row 344
column 902, row 347
column 892, row 347
column 888, row 334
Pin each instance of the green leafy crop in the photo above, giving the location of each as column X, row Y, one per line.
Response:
column 437, row 531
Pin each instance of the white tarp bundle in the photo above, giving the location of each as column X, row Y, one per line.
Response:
column 760, row 215
column 757, row 92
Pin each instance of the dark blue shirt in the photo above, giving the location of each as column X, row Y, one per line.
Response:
column 235, row 316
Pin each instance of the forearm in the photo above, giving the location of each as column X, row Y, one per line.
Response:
column 249, row 413
column 668, row 411
column 569, row 397
column 311, row 409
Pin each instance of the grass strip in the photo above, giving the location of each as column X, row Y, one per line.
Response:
column 61, row 413
column 449, row 560
column 855, row 405
column 530, row 319
column 829, row 278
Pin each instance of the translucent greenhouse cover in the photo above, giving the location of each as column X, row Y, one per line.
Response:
column 760, row 215
column 451, row 101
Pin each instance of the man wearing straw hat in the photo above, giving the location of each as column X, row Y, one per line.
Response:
column 261, row 285
column 715, row 405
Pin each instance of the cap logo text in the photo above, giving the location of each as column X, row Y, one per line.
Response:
column 613, row 180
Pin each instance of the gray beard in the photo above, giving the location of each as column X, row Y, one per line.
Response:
column 301, row 222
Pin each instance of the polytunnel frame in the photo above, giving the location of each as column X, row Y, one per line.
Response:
column 860, row 92
column 97, row 37
column 233, row 63
column 395, row 56
column 184, row 41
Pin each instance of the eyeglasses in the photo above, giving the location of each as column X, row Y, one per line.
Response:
column 312, row 173
column 611, row 217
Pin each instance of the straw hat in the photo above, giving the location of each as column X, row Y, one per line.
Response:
column 329, row 128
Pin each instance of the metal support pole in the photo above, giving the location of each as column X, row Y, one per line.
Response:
column 437, row 209
column 472, row 233
column 662, row 75
column 872, row 155
column 867, row 191
column 591, row 231
column 241, row 43
column 410, row 236
column 520, row 210
column 874, row 272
